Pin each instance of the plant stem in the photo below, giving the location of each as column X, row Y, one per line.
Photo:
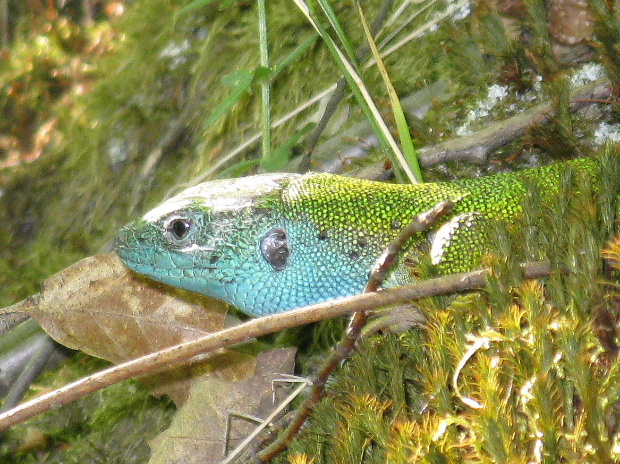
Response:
column 265, row 83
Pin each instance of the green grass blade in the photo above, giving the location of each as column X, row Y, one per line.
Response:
column 294, row 55
column 279, row 158
column 360, row 91
column 240, row 81
column 339, row 31
column 410, row 156
column 265, row 84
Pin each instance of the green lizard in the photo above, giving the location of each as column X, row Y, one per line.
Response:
column 274, row 242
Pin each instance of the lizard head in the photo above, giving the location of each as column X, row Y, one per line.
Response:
column 267, row 243
column 218, row 239
column 245, row 241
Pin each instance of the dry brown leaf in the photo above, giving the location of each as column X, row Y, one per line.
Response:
column 196, row 434
column 101, row 308
column 98, row 306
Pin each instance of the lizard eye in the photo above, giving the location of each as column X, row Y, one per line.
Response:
column 274, row 248
column 179, row 230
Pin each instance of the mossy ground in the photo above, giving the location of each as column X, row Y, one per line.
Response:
column 88, row 142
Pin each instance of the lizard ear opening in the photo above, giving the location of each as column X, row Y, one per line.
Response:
column 275, row 249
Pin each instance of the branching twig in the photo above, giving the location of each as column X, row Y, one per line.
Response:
column 384, row 264
column 420, row 223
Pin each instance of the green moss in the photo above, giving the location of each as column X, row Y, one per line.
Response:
column 113, row 91
column 110, row 426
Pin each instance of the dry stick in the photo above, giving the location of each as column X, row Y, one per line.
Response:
column 10, row 320
column 474, row 148
column 478, row 146
column 382, row 267
column 178, row 354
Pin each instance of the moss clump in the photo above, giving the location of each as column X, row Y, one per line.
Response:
column 518, row 373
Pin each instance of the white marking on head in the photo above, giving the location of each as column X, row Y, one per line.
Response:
column 221, row 195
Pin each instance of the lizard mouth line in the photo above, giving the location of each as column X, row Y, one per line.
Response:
column 133, row 264
column 151, row 268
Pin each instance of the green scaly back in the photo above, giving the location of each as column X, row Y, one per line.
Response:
column 275, row 242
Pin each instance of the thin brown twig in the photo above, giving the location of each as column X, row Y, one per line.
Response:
column 179, row 354
column 420, row 223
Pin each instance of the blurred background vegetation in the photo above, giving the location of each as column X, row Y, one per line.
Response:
column 108, row 106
